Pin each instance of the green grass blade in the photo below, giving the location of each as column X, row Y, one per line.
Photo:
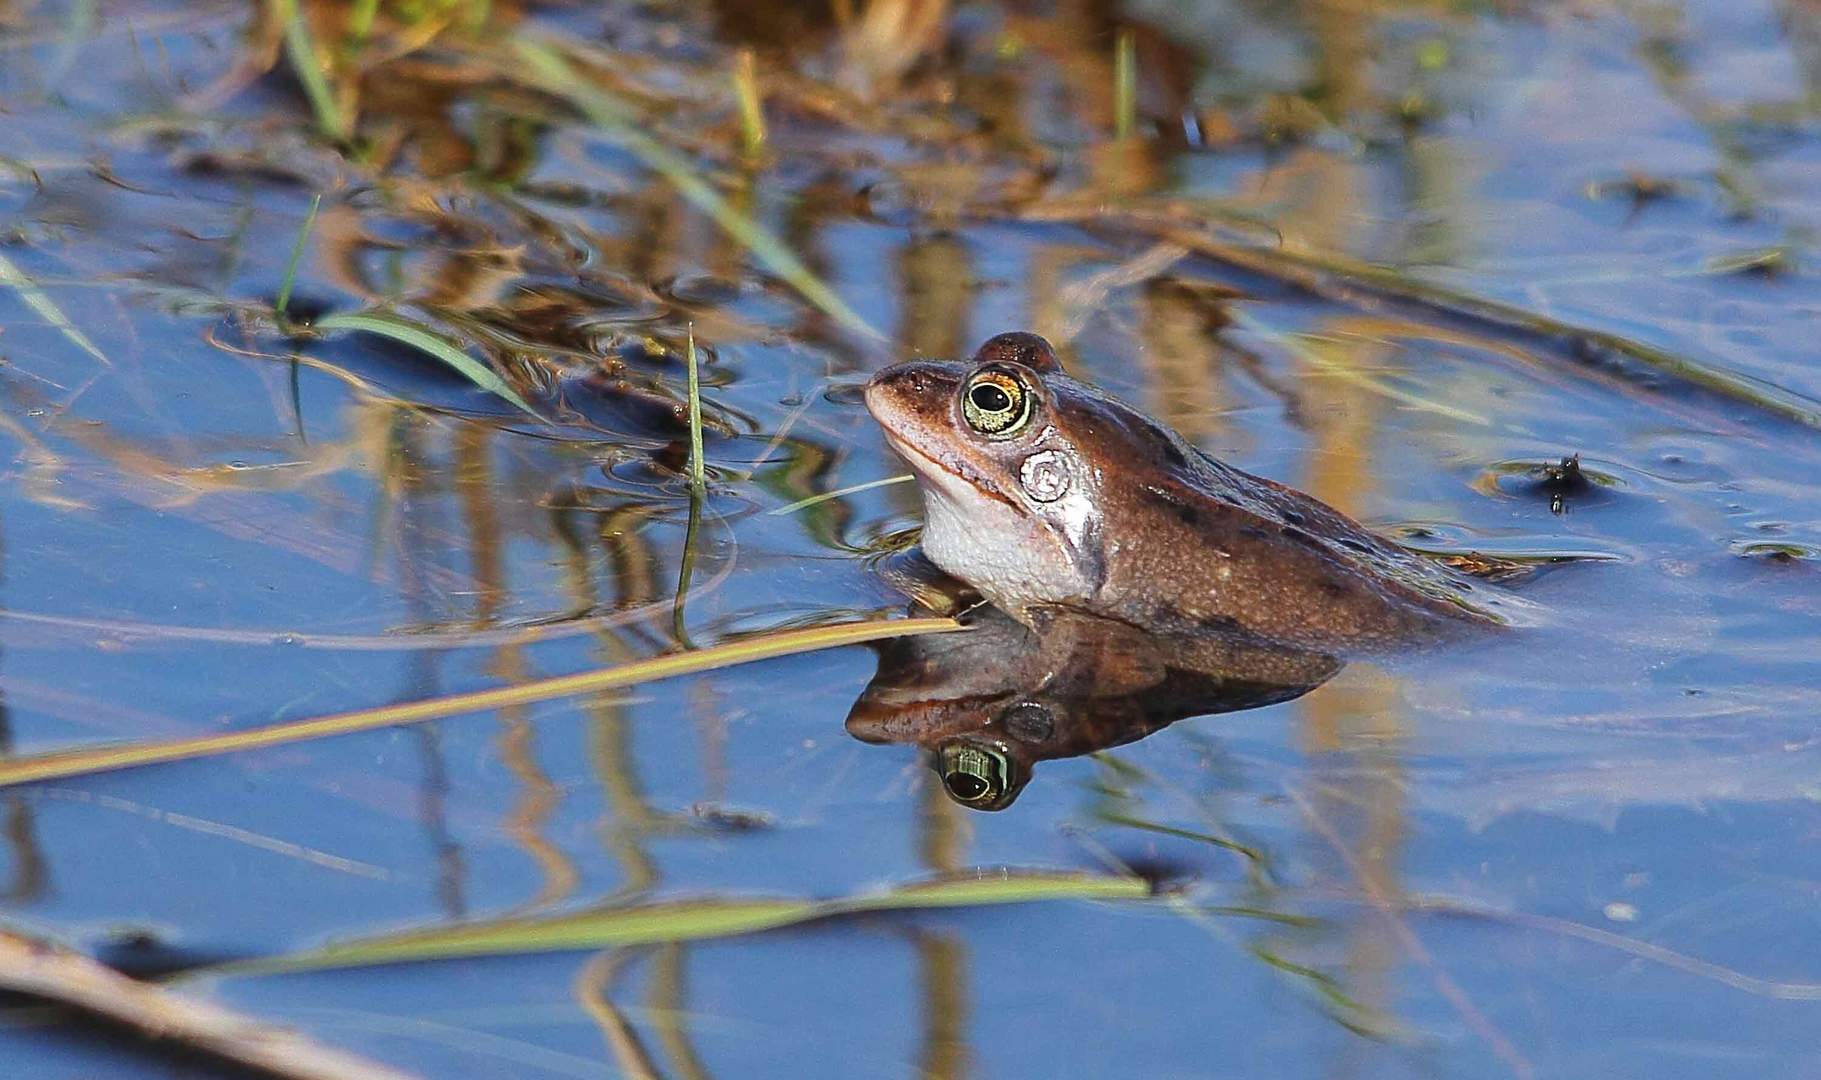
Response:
column 61, row 764
column 691, row 920
column 306, row 63
column 418, row 338
column 1125, row 86
column 282, row 304
column 804, row 504
column 698, row 473
column 36, row 299
column 553, row 74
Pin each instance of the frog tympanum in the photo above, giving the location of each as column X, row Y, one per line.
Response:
column 1046, row 494
column 988, row 704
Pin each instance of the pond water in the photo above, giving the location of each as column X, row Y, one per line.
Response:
column 1400, row 256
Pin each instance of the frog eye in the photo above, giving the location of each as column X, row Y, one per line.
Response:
column 976, row 776
column 996, row 404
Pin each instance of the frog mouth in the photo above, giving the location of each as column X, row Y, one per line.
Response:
column 952, row 478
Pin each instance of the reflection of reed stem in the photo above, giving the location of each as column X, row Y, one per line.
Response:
column 669, row 1005
column 942, row 965
column 686, row 568
column 1125, row 86
column 593, row 985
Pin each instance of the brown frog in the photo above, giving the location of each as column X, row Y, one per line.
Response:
column 988, row 705
column 1046, row 494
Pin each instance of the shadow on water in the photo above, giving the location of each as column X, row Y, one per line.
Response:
column 1530, row 290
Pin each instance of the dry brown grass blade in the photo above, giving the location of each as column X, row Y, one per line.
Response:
column 41, row 970
column 66, row 763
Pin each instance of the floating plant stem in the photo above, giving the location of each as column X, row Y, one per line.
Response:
column 66, row 763
column 281, row 306
column 693, row 919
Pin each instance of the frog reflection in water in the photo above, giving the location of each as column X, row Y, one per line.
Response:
column 990, row 703
column 1047, row 495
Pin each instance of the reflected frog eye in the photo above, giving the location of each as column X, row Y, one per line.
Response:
column 976, row 776
column 996, row 404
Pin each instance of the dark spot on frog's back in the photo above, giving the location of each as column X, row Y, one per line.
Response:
column 1183, row 510
column 1221, row 624
column 1162, row 444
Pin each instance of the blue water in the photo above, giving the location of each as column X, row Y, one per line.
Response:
column 1587, row 849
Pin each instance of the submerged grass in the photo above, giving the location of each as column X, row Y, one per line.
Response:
column 68, row 763
column 692, row 920
column 36, row 299
column 407, row 333
column 552, row 73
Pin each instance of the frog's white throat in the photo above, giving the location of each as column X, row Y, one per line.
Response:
column 1010, row 556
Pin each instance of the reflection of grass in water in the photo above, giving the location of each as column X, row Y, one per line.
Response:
column 1119, row 804
column 698, row 491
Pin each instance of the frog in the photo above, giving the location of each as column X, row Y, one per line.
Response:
column 1046, row 494
column 988, row 705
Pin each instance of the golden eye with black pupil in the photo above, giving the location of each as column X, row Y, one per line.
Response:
column 976, row 776
column 996, row 404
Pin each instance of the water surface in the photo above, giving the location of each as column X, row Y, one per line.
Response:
column 1588, row 848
